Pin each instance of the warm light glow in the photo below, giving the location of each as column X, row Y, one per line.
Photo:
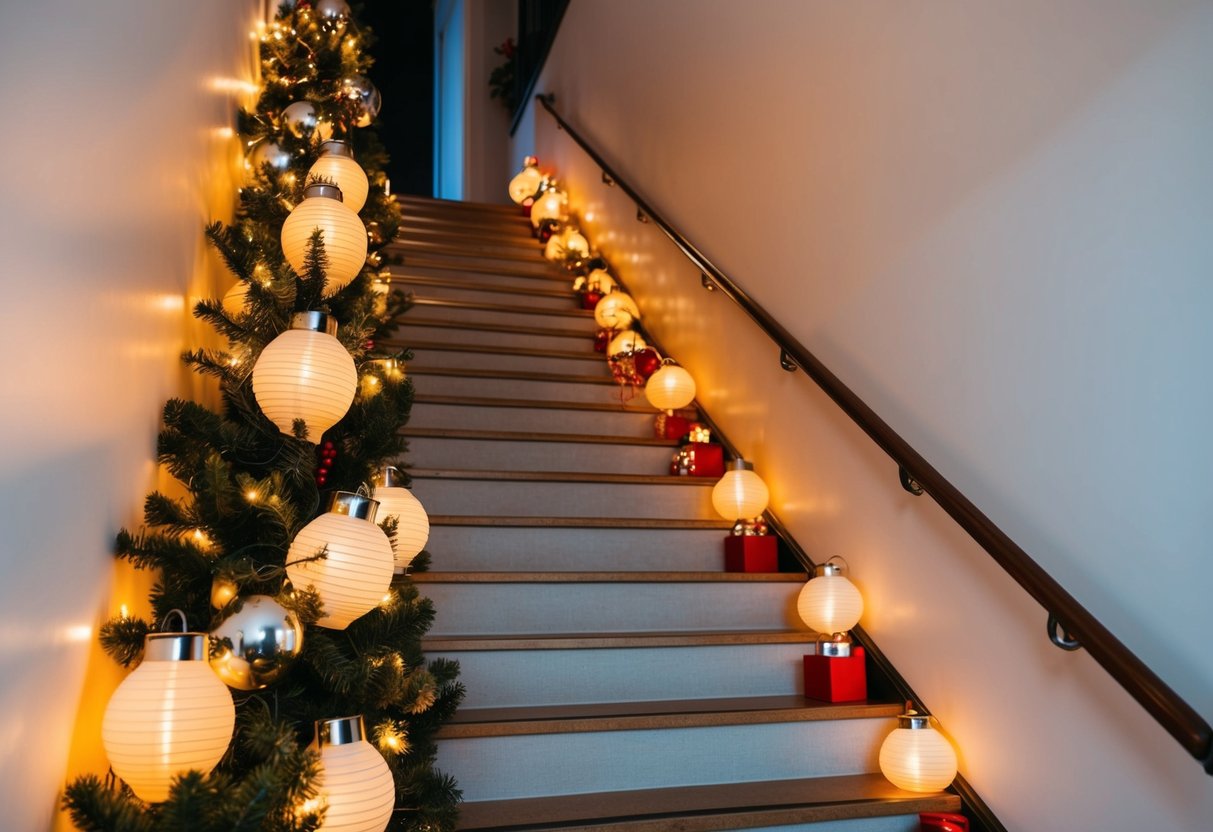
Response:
column 626, row 342
column 337, row 165
column 829, row 603
column 550, row 206
column 600, row 280
column 305, row 375
column 919, row 758
column 616, row 311
column 413, row 524
column 345, row 238
column 252, row 495
column 170, row 715
column 358, row 786
column 524, row 185
column 670, row 388
column 740, row 495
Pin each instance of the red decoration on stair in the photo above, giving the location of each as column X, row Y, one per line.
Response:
column 751, row 553
column 590, row 299
column 601, row 339
column 670, row 426
column 940, row 822
column 836, row 678
column 699, row 459
column 648, row 361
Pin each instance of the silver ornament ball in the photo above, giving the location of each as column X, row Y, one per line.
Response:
column 256, row 644
column 365, row 95
column 300, row 118
column 332, row 10
column 267, row 152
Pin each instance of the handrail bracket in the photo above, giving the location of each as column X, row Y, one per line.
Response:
column 909, row 483
column 1061, row 637
column 785, row 358
column 707, row 282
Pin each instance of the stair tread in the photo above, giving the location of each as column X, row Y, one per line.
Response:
column 530, row 436
column 710, row 807
column 517, row 375
column 561, row 476
column 569, row 577
column 420, row 260
column 668, row 713
column 472, row 252
column 442, row 346
column 483, row 326
column 577, row 522
column 403, row 281
column 580, row 314
column 488, row 401
column 459, row 204
column 583, row 641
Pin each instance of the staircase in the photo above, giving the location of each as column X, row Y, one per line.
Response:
column 617, row 678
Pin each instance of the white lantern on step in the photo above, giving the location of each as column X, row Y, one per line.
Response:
column 412, row 523
column 616, row 311
column 599, row 280
column 170, row 715
column 626, row 342
column 344, row 235
column 355, row 784
column 740, row 494
column 916, row 757
column 829, row 603
column 336, row 164
column 305, row 373
column 355, row 572
column 670, row 388
column 552, row 204
column 527, row 182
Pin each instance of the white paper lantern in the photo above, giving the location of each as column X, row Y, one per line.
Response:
column 626, row 342
column 336, row 163
column 916, row 757
column 550, row 205
column 169, row 716
column 412, row 523
column 599, row 280
column 616, row 311
column 305, row 374
column 740, row 494
column 355, row 783
column 575, row 243
column 345, row 239
column 829, row 603
column 235, row 298
column 357, row 571
column 670, row 388
column 525, row 184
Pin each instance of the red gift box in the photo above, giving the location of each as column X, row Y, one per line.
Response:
column 751, row 553
column 836, row 678
column 936, row 822
column 706, row 459
column 670, row 427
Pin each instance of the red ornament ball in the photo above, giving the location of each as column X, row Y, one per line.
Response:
column 601, row 340
column 647, row 362
column 590, row 299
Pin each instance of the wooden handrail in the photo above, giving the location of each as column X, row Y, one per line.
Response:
column 1166, row 706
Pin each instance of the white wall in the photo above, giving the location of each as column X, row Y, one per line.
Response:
column 118, row 154
column 487, row 133
column 992, row 220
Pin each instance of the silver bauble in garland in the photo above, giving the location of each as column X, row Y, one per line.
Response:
column 332, row 10
column 300, row 118
column 256, row 644
column 365, row 95
column 267, row 152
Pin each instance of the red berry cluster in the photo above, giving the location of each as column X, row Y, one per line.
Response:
column 328, row 452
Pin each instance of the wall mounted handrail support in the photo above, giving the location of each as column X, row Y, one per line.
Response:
column 1170, row 710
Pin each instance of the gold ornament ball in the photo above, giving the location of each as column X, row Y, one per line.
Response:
column 256, row 644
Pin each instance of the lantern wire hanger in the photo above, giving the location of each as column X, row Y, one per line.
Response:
column 164, row 624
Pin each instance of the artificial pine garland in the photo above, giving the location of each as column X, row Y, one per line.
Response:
column 251, row 488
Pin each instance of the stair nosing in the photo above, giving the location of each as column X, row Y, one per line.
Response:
column 576, row 522
column 501, row 271
column 501, row 289
column 512, row 375
column 489, row 401
column 485, row 326
column 479, row 253
column 614, row 641
column 628, row 577
column 472, row 434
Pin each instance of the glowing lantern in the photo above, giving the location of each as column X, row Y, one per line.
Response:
column 551, row 205
column 669, row 388
column 345, row 239
column 740, row 494
column 356, row 571
column 336, row 163
column 829, row 603
column 600, row 280
column 626, row 342
column 412, row 523
column 171, row 715
column 616, row 311
column 916, row 757
column 235, row 298
column 355, row 782
column 305, row 374
column 527, row 182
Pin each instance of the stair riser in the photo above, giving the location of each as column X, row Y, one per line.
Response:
column 457, row 260
column 496, row 254
column 676, row 500
column 510, row 243
column 419, row 331
column 480, row 549
column 896, row 823
column 510, row 388
column 544, row 420
column 509, row 678
column 550, row 281
column 500, row 317
column 474, row 295
column 519, row 609
column 493, row 455
column 498, row 768
column 583, row 365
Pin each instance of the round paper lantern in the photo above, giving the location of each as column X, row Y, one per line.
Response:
column 550, row 205
column 575, row 243
column 526, row 183
column 260, row 641
column 916, row 757
column 300, row 118
column 357, row 570
column 616, row 311
column 412, row 523
column 345, row 237
column 235, row 298
column 171, row 715
column 336, row 163
column 627, row 341
column 670, row 388
column 355, row 782
column 829, row 603
column 740, row 494
column 305, row 374
column 599, row 280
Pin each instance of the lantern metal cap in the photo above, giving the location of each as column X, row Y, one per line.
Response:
column 343, row 730
column 389, row 476
column 174, row 647
column 827, row 570
column 740, row 464
column 315, row 322
column 837, row 646
column 336, row 147
column 353, row 505
column 326, row 190
column 913, row 719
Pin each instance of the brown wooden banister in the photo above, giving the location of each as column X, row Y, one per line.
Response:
column 1152, row 693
